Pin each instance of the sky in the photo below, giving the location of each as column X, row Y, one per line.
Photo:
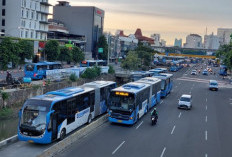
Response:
column 169, row 18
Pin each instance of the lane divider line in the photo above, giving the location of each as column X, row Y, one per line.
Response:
column 206, row 119
column 162, row 154
column 206, row 135
column 139, row 125
column 161, row 102
column 206, row 155
column 206, row 100
column 118, row 148
column 173, row 129
column 179, row 114
column 206, row 107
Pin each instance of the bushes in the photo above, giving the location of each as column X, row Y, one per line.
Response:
column 91, row 73
column 73, row 77
column 111, row 70
column 5, row 112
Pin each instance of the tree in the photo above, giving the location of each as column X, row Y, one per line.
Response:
column 77, row 55
column 52, row 50
column 26, row 50
column 131, row 62
column 65, row 54
column 102, row 43
column 9, row 52
column 225, row 54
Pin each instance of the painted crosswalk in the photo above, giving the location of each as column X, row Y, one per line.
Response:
column 222, row 84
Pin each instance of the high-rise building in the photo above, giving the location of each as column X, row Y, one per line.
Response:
column 178, row 43
column 211, row 41
column 24, row 18
column 156, row 38
column 82, row 20
column 193, row 41
column 224, row 35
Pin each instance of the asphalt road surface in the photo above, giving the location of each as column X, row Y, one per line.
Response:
column 203, row 131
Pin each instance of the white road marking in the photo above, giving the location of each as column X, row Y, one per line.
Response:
column 173, row 129
column 139, row 125
column 206, row 155
column 206, row 119
column 230, row 99
column 206, row 100
column 162, row 154
column 206, row 107
column 118, row 147
column 179, row 115
column 206, row 135
column 161, row 102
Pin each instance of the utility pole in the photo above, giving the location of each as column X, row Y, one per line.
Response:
column 108, row 55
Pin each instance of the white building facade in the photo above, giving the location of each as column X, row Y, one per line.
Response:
column 156, row 38
column 224, row 35
column 24, row 18
column 211, row 41
column 193, row 41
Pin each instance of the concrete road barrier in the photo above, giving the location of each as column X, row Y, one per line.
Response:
column 9, row 141
column 58, row 147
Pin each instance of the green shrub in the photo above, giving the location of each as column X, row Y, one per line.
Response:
column 73, row 77
column 5, row 96
column 111, row 70
column 91, row 73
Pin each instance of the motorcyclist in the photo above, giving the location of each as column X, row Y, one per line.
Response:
column 154, row 114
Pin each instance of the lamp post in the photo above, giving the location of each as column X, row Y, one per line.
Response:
column 108, row 55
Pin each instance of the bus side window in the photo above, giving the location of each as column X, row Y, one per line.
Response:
column 50, row 67
column 71, row 110
column 92, row 101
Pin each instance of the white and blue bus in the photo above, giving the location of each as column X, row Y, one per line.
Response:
column 92, row 63
column 137, row 75
column 166, row 83
column 129, row 102
column 155, row 90
column 38, row 70
column 53, row 115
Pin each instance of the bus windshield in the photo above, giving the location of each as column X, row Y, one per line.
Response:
column 30, row 67
column 34, row 115
column 120, row 102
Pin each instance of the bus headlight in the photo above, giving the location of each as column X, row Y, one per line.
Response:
column 131, row 118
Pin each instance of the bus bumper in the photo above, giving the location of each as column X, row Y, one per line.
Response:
column 43, row 139
column 114, row 120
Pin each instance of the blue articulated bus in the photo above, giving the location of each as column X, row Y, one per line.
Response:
column 140, row 74
column 91, row 63
column 155, row 90
column 166, row 83
column 157, row 71
column 129, row 102
column 38, row 70
column 53, row 115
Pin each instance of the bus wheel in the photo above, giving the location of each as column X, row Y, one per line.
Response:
column 62, row 134
column 89, row 119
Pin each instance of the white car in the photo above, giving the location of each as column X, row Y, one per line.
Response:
column 213, row 85
column 194, row 72
column 185, row 102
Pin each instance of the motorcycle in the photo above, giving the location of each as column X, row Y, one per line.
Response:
column 154, row 119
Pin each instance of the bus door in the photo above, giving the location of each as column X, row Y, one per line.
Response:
column 97, row 102
column 54, row 125
column 92, row 101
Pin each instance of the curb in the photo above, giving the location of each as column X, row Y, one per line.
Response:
column 58, row 147
column 8, row 141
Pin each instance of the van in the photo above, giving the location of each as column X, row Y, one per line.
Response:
column 213, row 85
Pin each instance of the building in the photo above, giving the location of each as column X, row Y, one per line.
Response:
column 24, row 18
column 83, row 20
column 127, row 43
column 193, row 41
column 163, row 43
column 211, row 41
column 156, row 38
column 58, row 31
column 224, row 35
column 178, row 43
column 143, row 39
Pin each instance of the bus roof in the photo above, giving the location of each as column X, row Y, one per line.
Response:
column 45, row 63
column 62, row 94
column 132, row 87
column 149, row 80
column 98, row 84
column 163, row 76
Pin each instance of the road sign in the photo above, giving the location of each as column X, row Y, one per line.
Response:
column 100, row 50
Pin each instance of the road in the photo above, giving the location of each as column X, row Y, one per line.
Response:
column 203, row 131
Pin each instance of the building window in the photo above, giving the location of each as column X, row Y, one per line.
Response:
column 31, row 34
column 27, row 13
column 26, row 34
column 21, row 33
column 25, row 3
column 29, row 24
column 37, row 16
column 3, row 12
column 3, row 31
column 32, row 14
column 3, row 22
column 3, row 2
column 22, row 13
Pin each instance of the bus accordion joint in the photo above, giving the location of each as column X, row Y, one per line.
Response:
column 122, row 93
